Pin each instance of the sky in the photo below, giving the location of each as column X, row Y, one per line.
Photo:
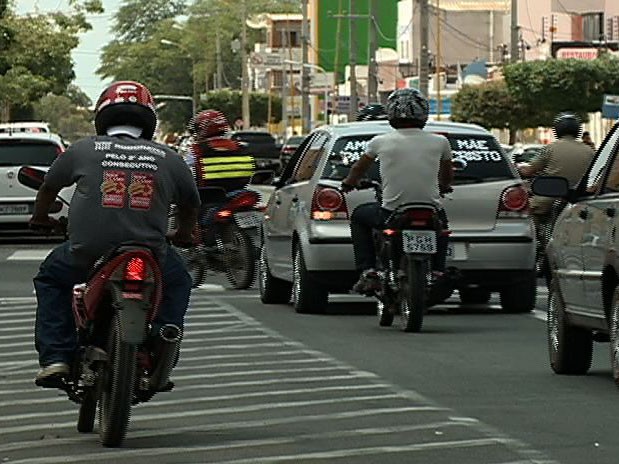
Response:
column 86, row 56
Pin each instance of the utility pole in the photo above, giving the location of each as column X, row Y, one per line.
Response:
column 284, row 84
column 439, row 103
column 423, row 46
column 305, row 72
column 373, row 47
column 244, row 75
column 352, row 61
column 514, row 32
column 220, row 68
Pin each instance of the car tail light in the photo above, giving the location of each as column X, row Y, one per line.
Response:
column 59, row 150
column 420, row 217
column 243, row 200
column 328, row 203
column 514, row 202
column 288, row 150
column 135, row 270
column 390, row 232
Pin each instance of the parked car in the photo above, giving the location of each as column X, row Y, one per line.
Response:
column 288, row 149
column 262, row 146
column 583, row 302
column 307, row 247
column 17, row 201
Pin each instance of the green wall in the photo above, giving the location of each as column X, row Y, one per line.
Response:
column 330, row 42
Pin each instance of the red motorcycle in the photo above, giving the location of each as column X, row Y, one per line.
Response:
column 118, row 364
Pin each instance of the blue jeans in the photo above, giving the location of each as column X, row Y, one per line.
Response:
column 55, row 334
column 369, row 216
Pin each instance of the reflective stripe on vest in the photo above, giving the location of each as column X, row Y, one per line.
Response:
column 227, row 167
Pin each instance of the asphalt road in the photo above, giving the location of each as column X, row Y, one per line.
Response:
column 261, row 384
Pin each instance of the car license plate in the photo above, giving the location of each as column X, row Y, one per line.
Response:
column 14, row 209
column 457, row 252
column 419, row 241
column 247, row 220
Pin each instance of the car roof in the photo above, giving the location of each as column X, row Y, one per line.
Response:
column 373, row 127
column 34, row 136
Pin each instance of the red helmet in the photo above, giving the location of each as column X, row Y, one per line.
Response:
column 207, row 124
column 126, row 103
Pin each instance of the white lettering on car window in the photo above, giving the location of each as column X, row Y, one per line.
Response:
column 476, row 150
column 352, row 151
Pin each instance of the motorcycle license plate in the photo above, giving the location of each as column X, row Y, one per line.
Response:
column 249, row 219
column 419, row 241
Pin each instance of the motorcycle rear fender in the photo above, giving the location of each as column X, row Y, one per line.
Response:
column 133, row 315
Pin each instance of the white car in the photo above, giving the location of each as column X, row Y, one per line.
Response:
column 38, row 150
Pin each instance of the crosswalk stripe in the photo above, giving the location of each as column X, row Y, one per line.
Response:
column 232, row 369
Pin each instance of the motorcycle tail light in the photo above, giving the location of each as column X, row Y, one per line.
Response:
column 135, row 270
column 420, row 217
column 328, row 203
column 223, row 214
column 244, row 200
column 389, row 232
column 514, row 202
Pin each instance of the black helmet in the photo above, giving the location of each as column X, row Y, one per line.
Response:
column 372, row 112
column 408, row 106
column 568, row 124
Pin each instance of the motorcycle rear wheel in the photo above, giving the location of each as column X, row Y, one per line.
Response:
column 239, row 258
column 413, row 293
column 116, row 394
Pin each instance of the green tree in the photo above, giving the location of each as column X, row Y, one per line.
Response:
column 137, row 20
column 64, row 116
column 38, row 58
column 545, row 88
column 490, row 105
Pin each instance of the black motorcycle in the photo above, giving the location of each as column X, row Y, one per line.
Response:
column 227, row 239
column 405, row 248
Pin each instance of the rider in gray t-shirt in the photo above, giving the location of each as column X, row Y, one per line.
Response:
column 125, row 185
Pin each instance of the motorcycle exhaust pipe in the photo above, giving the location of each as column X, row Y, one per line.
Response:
column 165, row 353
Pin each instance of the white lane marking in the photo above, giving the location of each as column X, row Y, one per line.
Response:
column 519, row 447
column 214, row 386
column 236, row 396
column 14, row 446
column 541, row 315
column 264, row 421
column 210, row 412
column 211, row 288
column 17, row 300
column 29, row 255
column 221, row 374
column 339, row 453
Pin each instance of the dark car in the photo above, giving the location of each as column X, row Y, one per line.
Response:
column 288, row 149
column 262, row 146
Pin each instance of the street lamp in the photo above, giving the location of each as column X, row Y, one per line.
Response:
column 324, row 73
column 194, row 102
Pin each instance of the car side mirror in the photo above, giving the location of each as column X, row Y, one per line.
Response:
column 551, row 186
column 31, row 177
column 262, row 177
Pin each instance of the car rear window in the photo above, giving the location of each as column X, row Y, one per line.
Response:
column 19, row 153
column 484, row 157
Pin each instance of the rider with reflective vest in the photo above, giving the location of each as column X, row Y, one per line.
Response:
column 219, row 161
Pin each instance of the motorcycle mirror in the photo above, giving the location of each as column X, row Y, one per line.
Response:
column 459, row 164
column 31, row 177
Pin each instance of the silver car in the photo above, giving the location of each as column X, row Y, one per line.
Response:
column 307, row 251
